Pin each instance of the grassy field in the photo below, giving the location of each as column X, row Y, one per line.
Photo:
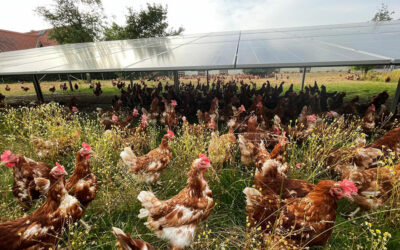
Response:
column 226, row 228
column 333, row 82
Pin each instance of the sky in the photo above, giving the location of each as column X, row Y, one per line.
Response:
column 198, row 16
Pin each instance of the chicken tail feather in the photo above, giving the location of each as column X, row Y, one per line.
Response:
column 128, row 157
column 251, row 195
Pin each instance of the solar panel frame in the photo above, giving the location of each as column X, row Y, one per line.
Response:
column 366, row 43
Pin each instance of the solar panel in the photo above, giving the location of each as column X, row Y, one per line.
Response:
column 324, row 45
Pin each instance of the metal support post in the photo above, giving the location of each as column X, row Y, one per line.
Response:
column 176, row 80
column 38, row 91
column 131, row 79
column 70, row 83
column 207, row 76
column 304, row 77
column 395, row 99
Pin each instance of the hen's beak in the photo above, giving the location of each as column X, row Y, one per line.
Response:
column 350, row 196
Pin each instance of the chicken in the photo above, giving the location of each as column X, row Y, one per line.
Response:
column 358, row 156
column 214, row 108
column 107, row 123
column 2, row 97
column 138, row 138
column 29, row 177
column 97, row 90
column 154, row 112
column 374, row 187
column 176, row 219
column 248, row 150
column 153, row 163
column 389, row 142
column 25, row 88
column 248, row 142
column 368, row 123
column 128, row 120
column 213, row 111
column 52, row 89
column 171, row 120
column 270, row 177
column 365, row 156
column 237, row 119
column 7, row 88
column 125, row 242
column 55, row 146
column 304, row 222
column 42, row 229
column 280, row 148
column 221, row 147
column 83, row 183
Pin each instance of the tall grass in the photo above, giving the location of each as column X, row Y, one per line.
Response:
column 116, row 203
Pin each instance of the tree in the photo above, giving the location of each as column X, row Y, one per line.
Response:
column 150, row 22
column 74, row 21
column 363, row 68
column 261, row 71
column 383, row 14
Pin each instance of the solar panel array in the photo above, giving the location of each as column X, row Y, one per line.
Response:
column 328, row 45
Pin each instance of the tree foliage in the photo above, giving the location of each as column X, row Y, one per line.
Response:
column 363, row 68
column 383, row 14
column 74, row 21
column 150, row 22
column 259, row 71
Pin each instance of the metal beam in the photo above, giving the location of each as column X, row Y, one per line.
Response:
column 131, row 79
column 304, row 77
column 176, row 80
column 38, row 91
column 395, row 99
column 207, row 76
column 70, row 83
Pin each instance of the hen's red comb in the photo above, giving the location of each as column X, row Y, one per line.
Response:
column 204, row 158
column 277, row 130
column 242, row 108
column 171, row 133
column 86, row 146
column 173, row 102
column 348, row 186
column 135, row 112
column 373, row 106
column 59, row 167
column 311, row 117
column 5, row 155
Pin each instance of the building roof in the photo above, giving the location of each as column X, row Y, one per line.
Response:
column 10, row 40
column 366, row 43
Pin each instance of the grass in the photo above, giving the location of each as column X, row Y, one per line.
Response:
column 116, row 203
